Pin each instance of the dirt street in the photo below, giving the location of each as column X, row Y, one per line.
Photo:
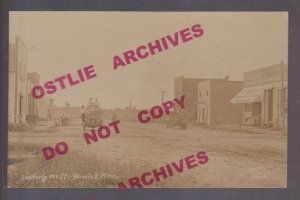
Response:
column 236, row 159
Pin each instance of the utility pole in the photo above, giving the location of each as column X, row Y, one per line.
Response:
column 129, row 116
column 162, row 96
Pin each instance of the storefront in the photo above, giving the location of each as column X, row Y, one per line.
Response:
column 265, row 105
column 274, row 108
column 251, row 98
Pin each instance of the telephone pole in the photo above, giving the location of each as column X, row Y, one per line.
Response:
column 162, row 95
column 129, row 114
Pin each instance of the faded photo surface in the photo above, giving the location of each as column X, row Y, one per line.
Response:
column 148, row 99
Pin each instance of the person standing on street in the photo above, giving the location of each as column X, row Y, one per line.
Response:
column 82, row 113
column 97, row 103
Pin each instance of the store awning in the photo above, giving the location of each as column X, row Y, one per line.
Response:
column 248, row 95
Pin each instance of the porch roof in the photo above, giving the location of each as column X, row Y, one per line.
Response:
column 249, row 95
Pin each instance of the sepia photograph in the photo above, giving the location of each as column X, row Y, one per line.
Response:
column 147, row 99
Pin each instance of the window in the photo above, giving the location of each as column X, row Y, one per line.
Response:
column 207, row 92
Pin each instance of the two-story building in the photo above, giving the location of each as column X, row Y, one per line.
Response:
column 214, row 105
column 17, row 81
column 189, row 88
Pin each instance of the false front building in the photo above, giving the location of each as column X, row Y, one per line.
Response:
column 264, row 97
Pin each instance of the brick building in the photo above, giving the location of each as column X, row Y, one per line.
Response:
column 264, row 96
column 189, row 88
column 214, row 101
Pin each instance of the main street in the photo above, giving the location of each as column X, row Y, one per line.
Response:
column 236, row 159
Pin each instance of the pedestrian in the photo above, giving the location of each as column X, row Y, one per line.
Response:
column 90, row 103
column 82, row 112
column 61, row 120
column 97, row 105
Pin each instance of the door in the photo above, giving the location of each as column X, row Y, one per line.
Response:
column 203, row 115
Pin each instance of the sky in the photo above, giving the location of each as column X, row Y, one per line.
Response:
column 62, row 42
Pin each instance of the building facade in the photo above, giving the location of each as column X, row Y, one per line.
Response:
column 264, row 97
column 23, row 108
column 32, row 103
column 18, row 54
column 189, row 88
column 214, row 104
